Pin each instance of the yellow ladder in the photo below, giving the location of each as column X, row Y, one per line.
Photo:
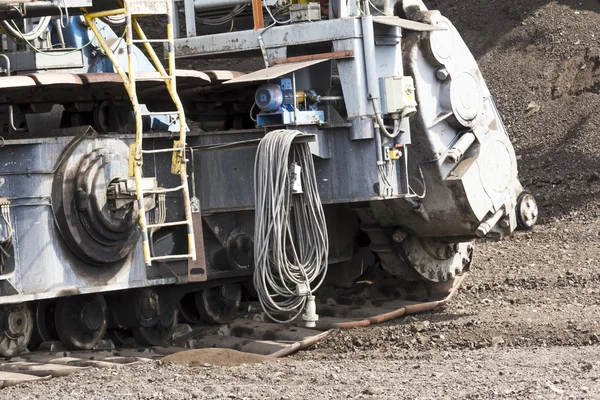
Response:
column 133, row 9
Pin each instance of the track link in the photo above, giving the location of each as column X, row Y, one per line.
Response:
column 249, row 333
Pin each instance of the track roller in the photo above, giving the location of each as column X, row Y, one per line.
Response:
column 188, row 312
column 81, row 320
column 158, row 334
column 17, row 326
column 157, row 318
column 44, row 329
column 219, row 304
column 119, row 337
column 527, row 211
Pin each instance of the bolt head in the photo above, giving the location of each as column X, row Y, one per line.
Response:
column 450, row 252
column 442, row 74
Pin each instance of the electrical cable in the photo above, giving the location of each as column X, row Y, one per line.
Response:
column 291, row 243
column 6, row 244
column 227, row 18
column 160, row 213
column 32, row 35
column 377, row 9
column 62, row 25
column 48, row 53
column 397, row 122
column 252, row 109
column 114, row 20
column 273, row 17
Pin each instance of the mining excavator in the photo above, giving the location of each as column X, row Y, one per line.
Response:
column 308, row 147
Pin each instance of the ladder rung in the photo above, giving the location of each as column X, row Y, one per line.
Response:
column 171, row 257
column 151, row 40
column 159, row 113
column 167, row 190
column 162, row 150
column 167, row 224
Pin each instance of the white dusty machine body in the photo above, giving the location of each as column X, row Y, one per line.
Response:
column 135, row 194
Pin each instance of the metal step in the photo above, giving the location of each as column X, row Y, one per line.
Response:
column 132, row 9
column 167, row 224
column 169, row 150
column 164, row 190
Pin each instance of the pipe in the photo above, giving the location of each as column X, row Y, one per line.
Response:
column 379, row 146
column 32, row 9
column 370, row 58
column 486, row 226
column 11, row 116
column 212, row 4
column 371, row 72
column 319, row 98
column 408, row 309
column 456, row 153
column 329, row 98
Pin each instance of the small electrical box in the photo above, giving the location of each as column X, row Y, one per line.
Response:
column 398, row 95
column 305, row 12
column 392, row 153
column 295, row 171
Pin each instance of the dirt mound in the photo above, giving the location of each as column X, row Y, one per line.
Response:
column 541, row 60
column 219, row 357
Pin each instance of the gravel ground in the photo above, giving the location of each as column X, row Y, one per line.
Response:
column 508, row 373
column 526, row 322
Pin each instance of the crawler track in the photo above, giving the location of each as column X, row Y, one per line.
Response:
column 248, row 333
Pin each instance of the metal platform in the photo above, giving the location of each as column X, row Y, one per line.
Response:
column 57, row 88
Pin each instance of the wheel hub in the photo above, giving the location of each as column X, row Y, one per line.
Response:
column 81, row 321
column 95, row 176
column 156, row 318
column 148, row 308
column 240, row 250
column 93, row 226
column 92, row 317
column 16, row 323
column 219, row 305
column 527, row 210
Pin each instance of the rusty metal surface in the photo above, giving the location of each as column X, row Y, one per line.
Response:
column 336, row 55
column 197, row 268
column 407, row 24
column 257, row 14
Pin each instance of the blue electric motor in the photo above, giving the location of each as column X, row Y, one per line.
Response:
column 271, row 97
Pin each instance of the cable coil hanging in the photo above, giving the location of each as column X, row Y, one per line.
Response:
column 291, row 243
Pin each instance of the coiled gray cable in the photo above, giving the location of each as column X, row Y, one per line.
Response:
column 291, row 244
